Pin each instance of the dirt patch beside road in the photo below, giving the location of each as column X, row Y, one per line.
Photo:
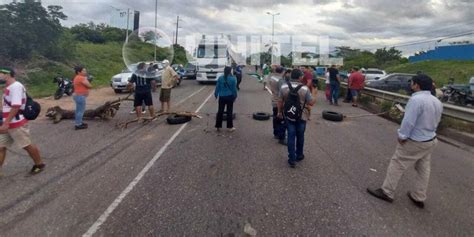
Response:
column 96, row 98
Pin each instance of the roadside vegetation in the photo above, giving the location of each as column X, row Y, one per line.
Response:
column 41, row 53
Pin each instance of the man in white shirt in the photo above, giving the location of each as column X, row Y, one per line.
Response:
column 168, row 80
column 417, row 140
column 14, row 128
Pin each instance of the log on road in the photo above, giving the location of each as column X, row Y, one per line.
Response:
column 106, row 111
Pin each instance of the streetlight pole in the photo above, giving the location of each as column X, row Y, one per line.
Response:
column 273, row 31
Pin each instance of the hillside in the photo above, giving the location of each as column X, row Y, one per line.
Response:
column 440, row 71
column 101, row 60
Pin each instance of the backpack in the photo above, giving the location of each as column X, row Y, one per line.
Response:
column 292, row 108
column 32, row 108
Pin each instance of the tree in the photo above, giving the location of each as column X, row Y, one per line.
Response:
column 150, row 36
column 383, row 56
column 28, row 27
column 346, row 52
column 87, row 32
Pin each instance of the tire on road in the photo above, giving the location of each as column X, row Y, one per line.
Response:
column 178, row 119
column 333, row 116
column 261, row 116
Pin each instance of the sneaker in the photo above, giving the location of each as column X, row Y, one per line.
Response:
column 298, row 159
column 378, row 193
column 417, row 203
column 231, row 129
column 37, row 169
column 133, row 111
column 355, row 105
column 143, row 111
column 82, row 126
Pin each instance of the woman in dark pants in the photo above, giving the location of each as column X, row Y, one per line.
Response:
column 226, row 90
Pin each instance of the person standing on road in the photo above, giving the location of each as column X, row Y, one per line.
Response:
column 14, row 127
column 81, row 91
column 308, row 78
column 356, row 84
column 238, row 74
column 293, row 106
column 328, row 87
column 275, row 83
column 226, row 91
column 334, row 81
column 416, row 142
column 315, row 78
column 169, row 78
column 144, row 85
column 266, row 75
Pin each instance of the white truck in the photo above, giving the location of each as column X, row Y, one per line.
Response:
column 213, row 54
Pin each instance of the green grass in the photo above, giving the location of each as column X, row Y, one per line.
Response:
column 440, row 71
column 101, row 60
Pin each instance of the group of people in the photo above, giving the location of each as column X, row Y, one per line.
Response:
column 142, row 83
column 355, row 83
column 293, row 96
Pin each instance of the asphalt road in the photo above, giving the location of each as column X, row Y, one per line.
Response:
column 204, row 183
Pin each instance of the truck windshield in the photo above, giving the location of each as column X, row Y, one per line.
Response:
column 212, row 51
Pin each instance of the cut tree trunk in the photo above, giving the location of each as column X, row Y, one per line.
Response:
column 150, row 119
column 106, row 111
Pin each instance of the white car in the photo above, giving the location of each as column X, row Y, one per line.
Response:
column 119, row 82
column 373, row 73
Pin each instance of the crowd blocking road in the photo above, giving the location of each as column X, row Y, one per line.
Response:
column 203, row 183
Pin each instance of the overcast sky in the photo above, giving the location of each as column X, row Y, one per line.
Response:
column 367, row 24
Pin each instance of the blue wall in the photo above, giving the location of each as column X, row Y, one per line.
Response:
column 451, row 52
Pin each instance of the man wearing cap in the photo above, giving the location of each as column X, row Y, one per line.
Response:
column 416, row 142
column 168, row 80
column 14, row 128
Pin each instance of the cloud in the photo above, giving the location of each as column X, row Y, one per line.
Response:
column 358, row 23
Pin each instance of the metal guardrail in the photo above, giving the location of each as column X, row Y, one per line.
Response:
column 453, row 111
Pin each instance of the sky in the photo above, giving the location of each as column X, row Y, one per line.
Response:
column 364, row 24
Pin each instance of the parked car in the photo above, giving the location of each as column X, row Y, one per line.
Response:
column 373, row 73
column 181, row 72
column 190, row 71
column 119, row 82
column 393, row 82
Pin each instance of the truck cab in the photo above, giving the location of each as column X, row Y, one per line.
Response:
column 212, row 56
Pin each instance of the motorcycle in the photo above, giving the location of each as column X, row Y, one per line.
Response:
column 65, row 86
column 459, row 94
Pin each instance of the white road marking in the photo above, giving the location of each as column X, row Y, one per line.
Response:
column 269, row 91
column 193, row 94
column 95, row 227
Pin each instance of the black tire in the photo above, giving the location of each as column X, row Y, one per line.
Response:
column 70, row 92
column 177, row 119
column 59, row 93
column 117, row 91
column 225, row 116
column 261, row 116
column 333, row 116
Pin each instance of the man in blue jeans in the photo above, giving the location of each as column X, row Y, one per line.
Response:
column 334, row 81
column 295, row 115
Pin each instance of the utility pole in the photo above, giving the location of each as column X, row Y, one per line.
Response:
column 155, row 36
column 177, row 26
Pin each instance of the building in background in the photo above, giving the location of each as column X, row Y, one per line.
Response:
column 119, row 19
column 463, row 52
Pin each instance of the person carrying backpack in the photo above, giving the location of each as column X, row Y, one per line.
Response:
column 14, row 128
column 293, row 106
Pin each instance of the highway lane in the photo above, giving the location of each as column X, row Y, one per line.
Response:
column 209, row 183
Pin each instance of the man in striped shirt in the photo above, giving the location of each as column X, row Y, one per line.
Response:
column 14, row 128
column 144, row 85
